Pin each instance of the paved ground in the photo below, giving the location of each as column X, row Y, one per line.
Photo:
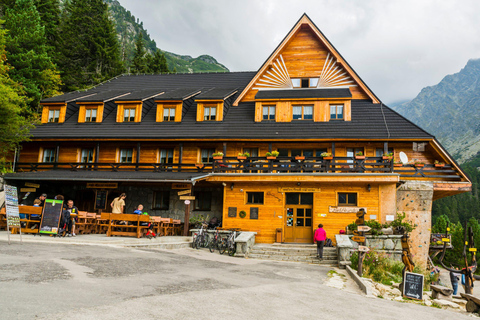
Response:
column 65, row 281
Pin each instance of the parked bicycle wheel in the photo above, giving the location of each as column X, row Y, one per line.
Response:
column 194, row 242
column 231, row 249
column 212, row 245
column 198, row 241
column 222, row 246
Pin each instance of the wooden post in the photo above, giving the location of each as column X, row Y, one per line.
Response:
column 180, row 156
column 138, row 155
column 225, row 149
column 333, row 149
column 187, row 222
column 270, row 147
column 97, row 155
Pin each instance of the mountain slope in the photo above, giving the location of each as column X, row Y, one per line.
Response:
column 450, row 110
column 128, row 27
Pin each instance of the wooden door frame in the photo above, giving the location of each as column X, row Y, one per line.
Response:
column 295, row 207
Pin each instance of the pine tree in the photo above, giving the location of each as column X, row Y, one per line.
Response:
column 27, row 53
column 14, row 127
column 157, row 63
column 90, row 49
column 49, row 11
column 140, row 58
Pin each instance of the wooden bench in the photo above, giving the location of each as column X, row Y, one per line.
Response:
column 177, row 227
column 441, row 292
column 81, row 223
column 116, row 228
column 166, row 227
column 30, row 225
column 101, row 224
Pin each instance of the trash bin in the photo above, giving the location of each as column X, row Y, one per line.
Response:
column 278, row 235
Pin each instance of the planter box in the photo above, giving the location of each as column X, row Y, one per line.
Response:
column 439, row 165
column 271, row 158
column 420, row 165
column 360, row 157
column 199, row 165
column 241, row 158
column 217, row 158
column 397, row 165
column 387, row 158
column 327, row 158
column 299, row 158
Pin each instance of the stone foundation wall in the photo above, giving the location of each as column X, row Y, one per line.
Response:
column 414, row 198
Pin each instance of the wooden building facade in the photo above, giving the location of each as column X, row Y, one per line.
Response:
column 152, row 135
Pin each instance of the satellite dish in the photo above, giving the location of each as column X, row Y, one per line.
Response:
column 403, row 157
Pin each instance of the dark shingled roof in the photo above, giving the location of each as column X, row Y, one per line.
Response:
column 104, row 96
column 121, row 176
column 141, row 95
column 179, row 94
column 303, row 93
column 216, row 93
column 68, row 97
column 369, row 120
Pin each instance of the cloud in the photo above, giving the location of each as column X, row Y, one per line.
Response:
column 397, row 47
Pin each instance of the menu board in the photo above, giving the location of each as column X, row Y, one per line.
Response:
column 413, row 285
column 232, row 212
column 101, row 199
column 52, row 212
column 254, row 213
column 11, row 203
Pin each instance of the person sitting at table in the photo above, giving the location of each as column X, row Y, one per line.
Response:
column 42, row 198
column 36, row 203
column 150, row 232
column 67, row 220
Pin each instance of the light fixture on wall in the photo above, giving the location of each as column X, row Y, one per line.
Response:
column 298, row 183
column 369, row 187
column 231, row 186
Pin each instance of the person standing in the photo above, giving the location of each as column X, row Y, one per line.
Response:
column 454, row 280
column 118, row 204
column 319, row 237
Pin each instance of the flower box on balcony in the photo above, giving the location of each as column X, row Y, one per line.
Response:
column 199, row 165
column 360, row 157
column 218, row 158
column 271, row 158
column 241, row 158
column 328, row 158
column 387, row 157
column 299, row 158
column 439, row 165
column 397, row 164
column 419, row 165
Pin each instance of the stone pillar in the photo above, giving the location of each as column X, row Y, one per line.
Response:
column 414, row 198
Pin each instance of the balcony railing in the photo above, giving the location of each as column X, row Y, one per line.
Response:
column 260, row 165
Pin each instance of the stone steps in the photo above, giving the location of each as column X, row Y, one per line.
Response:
column 306, row 253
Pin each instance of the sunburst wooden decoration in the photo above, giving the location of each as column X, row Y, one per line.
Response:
column 275, row 78
column 333, row 75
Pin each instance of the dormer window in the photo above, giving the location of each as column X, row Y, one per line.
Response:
column 269, row 112
column 129, row 114
column 305, row 82
column 91, row 115
column 302, row 113
column 210, row 113
column 169, row 113
column 336, row 112
column 54, row 115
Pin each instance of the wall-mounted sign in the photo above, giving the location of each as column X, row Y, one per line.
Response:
column 187, row 202
column 32, row 185
column 358, row 239
column 299, row 189
column 187, row 197
column 184, row 192
column 389, row 217
column 232, row 212
column 102, row 185
column 28, row 189
column 181, row 186
column 345, row 209
column 254, row 213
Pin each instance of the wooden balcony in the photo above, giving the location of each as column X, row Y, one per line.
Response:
column 261, row 165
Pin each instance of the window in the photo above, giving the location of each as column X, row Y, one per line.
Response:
column 203, row 200
column 379, row 152
column 161, row 200
column 305, row 82
column 347, row 199
column 351, row 152
column 302, row 112
column 90, row 115
column 313, row 82
column 254, row 197
column 169, row 114
column 207, row 155
column 129, row 115
column 166, row 156
column 318, row 152
column 86, row 156
column 126, row 155
column 49, row 155
column 53, row 115
column 253, row 152
column 268, row 112
column 299, row 198
column 296, row 152
column 209, row 113
column 336, row 112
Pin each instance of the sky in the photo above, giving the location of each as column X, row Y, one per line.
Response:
column 396, row 47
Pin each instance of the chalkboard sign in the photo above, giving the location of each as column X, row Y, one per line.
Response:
column 101, row 199
column 413, row 286
column 232, row 212
column 253, row 213
column 52, row 212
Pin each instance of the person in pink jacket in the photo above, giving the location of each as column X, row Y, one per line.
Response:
column 319, row 237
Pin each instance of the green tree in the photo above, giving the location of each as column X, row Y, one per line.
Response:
column 440, row 225
column 27, row 53
column 157, row 63
column 90, row 50
column 139, row 62
column 49, row 11
column 14, row 127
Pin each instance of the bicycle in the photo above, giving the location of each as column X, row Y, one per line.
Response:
column 230, row 243
column 216, row 242
column 201, row 239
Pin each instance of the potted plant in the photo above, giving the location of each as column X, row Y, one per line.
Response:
column 387, row 156
column 419, row 164
column 397, row 164
column 326, row 156
column 199, row 165
column 299, row 157
column 359, row 156
column 439, row 164
column 272, row 155
column 242, row 156
column 217, row 156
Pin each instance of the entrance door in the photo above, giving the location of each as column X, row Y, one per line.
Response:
column 299, row 214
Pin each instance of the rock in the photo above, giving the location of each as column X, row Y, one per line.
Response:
column 428, row 303
column 389, row 245
column 446, row 303
column 395, row 292
column 398, row 298
column 461, row 302
column 382, row 288
column 428, row 293
column 395, row 285
column 387, row 231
